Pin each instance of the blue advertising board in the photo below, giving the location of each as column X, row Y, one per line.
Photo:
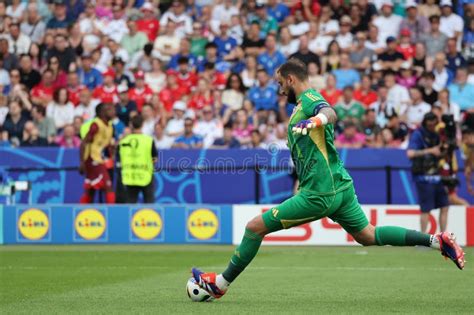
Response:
column 55, row 179
column 83, row 224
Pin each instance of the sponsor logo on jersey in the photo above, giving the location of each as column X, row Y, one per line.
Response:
column 146, row 224
column 90, row 224
column 203, row 224
column 33, row 224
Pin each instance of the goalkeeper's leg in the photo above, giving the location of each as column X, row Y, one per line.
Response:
column 299, row 209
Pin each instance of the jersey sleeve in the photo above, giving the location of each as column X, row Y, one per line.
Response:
column 94, row 128
column 312, row 104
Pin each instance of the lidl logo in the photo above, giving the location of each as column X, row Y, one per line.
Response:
column 33, row 224
column 90, row 224
column 203, row 224
column 146, row 224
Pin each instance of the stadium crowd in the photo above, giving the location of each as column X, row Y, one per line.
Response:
column 201, row 72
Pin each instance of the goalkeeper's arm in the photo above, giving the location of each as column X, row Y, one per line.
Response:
column 326, row 115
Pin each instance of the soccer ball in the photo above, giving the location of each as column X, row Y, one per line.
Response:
column 196, row 293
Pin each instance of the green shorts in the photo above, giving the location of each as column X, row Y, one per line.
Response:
column 304, row 207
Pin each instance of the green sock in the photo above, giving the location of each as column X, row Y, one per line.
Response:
column 397, row 236
column 243, row 255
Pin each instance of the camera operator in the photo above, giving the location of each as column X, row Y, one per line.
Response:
column 448, row 163
column 424, row 150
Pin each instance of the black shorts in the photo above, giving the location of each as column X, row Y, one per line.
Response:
column 431, row 196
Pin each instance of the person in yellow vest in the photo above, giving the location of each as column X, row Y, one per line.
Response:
column 93, row 165
column 137, row 157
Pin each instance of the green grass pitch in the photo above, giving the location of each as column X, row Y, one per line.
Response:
column 281, row 280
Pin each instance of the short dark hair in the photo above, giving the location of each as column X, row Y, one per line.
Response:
column 434, row 18
column 40, row 110
column 183, row 60
column 210, row 45
column 99, row 108
column 137, row 122
column 294, row 67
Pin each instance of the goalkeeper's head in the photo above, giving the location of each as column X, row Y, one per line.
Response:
column 289, row 75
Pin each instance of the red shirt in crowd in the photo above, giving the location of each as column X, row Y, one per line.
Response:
column 140, row 96
column 408, row 51
column 170, row 95
column 188, row 80
column 74, row 92
column 365, row 98
column 106, row 94
column 43, row 92
column 218, row 80
column 198, row 101
column 332, row 97
column 149, row 27
column 61, row 80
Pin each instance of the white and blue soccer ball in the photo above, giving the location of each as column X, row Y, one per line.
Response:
column 196, row 293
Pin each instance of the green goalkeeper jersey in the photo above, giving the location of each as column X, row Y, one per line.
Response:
column 317, row 163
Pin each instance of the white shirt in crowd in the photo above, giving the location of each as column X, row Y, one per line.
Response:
column 441, row 79
column 345, row 41
column 164, row 143
column 453, row 109
column 149, row 127
column 388, row 26
column 184, row 24
column 19, row 46
column 415, row 114
column 233, row 99
column 115, row 29
column 209, row 131
column 174, row 126
column 86, row 112
column 16, row 13
column 222, row 14
column 61, row 114
column 329, row 26
column 319, row 44
column 3, row 114
column 290, row 48
column 398, row 96
column 451, row 24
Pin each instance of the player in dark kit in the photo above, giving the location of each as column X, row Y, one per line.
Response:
column 325, row 190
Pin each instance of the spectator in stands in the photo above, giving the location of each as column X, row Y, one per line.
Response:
column 364, row 94
column 28, row 76
column 443, row 76
column 156, row 78
column 149, row 119
column 148, row 23
column 350, row 137
column 249, row 74
column 184, row 52
column 161, row 140
column 417, row 108
column 167, row 44
column 31, row 137
column 241, row 128
column 74, row 87
column 65, row 54
column 429, row 8
column 225, row 44
column 371, row 130
column 19, row 43
column 447, row 107
column 346, row 75
column 451, row 24
column 107, row 93
column 59, row 76
column 430, row 95
column 287, row 45
column 208, row 127
column 198, row 41
column 405, row 46
column 43, row 92
column 375, row 42
column 304, row 54
column 60, row 109
column 125, row 108
column 87, row 105
column 416, row 23
column 407, row 77
column 202, row 96
column 434, row 39
column 134, row 41
column 234, row 93
column 60, row 19
column 327, row 25
column 228, row 141
column 387, row 23
column 178, row 17
column 68, row 138
column 185, row 77
column 263, row 96
column 268, row 24
column 188, row 140
column 141, row 93
column 10, row 60
column 361, row 56
column 175, row 126
column 143, row 59
column 211, row 57
column 398, row 128
column 15, row 122
column 271, row 59
column 454, row 57
column 345, row 37
column 330, row 93
column 89, row 76
column 387, row 139
column 33, row 26
column 253, row 43
column 382, row 107
column 332, row 60
column 348, row 108
column 397, row 94
column 45, row 125
column 315, row 78
column 391, row 59
column 420, row 61
column 461, row 92
column 15, row 9
column 256, row 140
column 3, row 109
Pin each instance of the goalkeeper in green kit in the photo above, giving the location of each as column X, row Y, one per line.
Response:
column 326, row 189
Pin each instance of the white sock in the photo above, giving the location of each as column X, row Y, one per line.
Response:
column 222, row 283
column 434, row 242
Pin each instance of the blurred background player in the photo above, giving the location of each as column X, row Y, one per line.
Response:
column 93, row 165
column 137, row 156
